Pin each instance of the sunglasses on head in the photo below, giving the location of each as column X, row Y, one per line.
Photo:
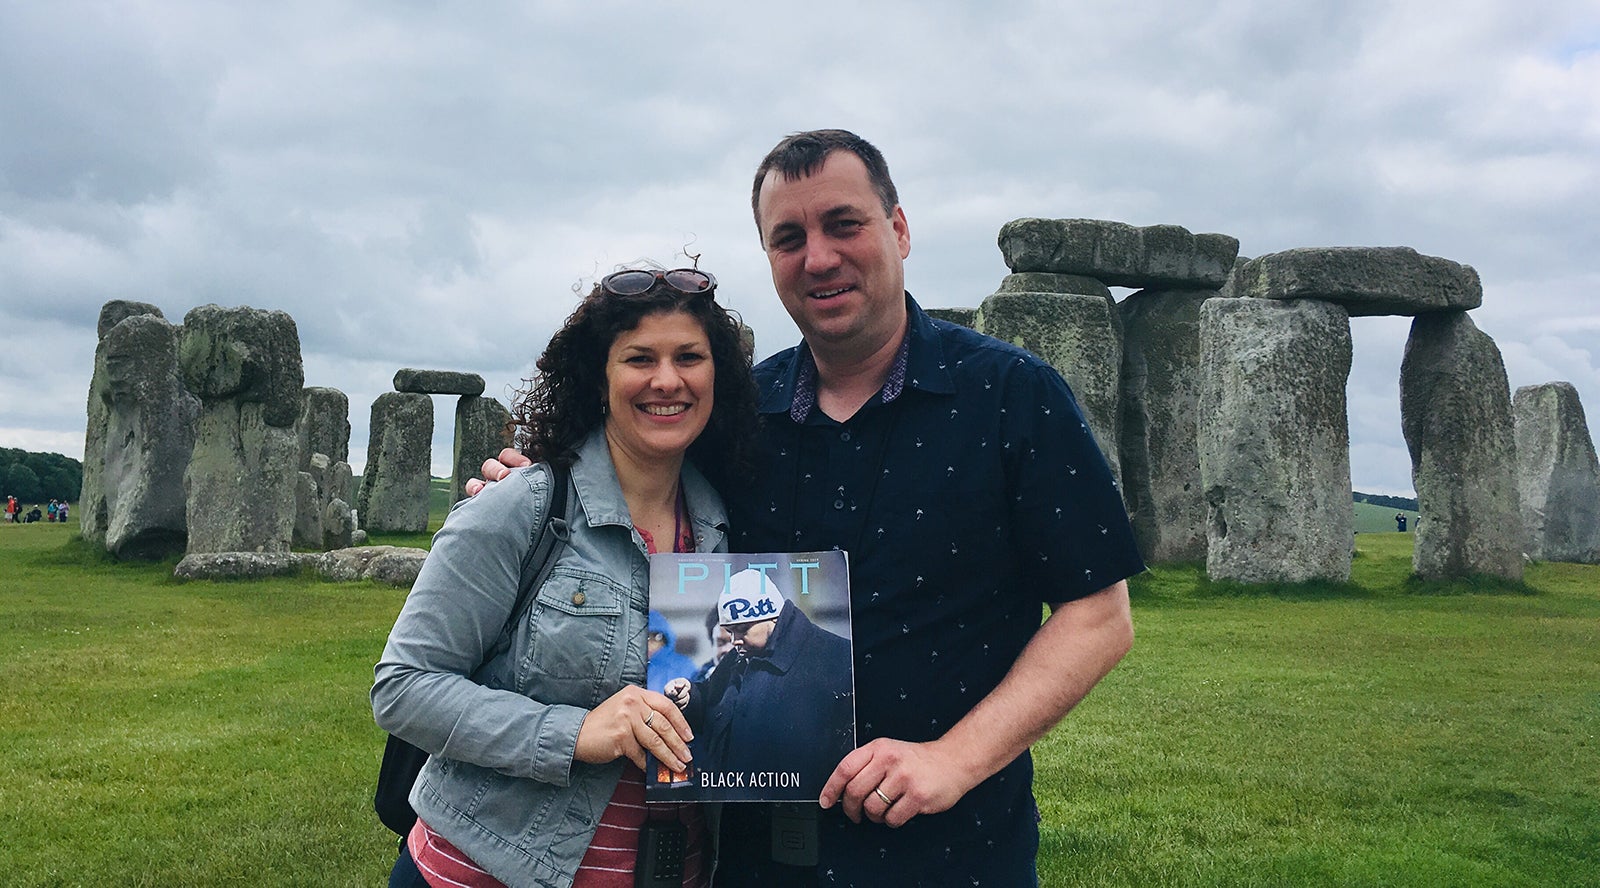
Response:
column 633, row 282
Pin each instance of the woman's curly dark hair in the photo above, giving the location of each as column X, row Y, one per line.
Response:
column 562, row 403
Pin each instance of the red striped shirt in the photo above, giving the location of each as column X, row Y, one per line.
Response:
column 614, row 850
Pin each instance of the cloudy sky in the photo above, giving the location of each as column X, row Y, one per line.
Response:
column 425, row 184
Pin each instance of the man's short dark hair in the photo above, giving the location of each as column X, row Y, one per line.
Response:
column 802, row 154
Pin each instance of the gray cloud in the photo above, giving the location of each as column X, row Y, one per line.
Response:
column 427, row 183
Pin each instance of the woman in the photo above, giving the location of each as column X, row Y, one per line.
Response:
column 537, row 755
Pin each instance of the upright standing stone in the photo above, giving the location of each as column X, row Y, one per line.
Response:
column 1160, row 422
column 149, row 437
column 307, row 512
column 394, row 487
column 1274, row 440
column 483, row 429
column 963, row 317
column 324, row 425
column 244, row 364
column 1077, row 336
column 1071, row 284
column 1558, row 477
column 1455, row 411
column 92, row 516
column 333, row 498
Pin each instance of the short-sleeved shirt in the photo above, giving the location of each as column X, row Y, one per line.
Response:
column 969, row 493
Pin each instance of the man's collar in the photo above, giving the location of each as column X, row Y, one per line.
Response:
column 919, row 363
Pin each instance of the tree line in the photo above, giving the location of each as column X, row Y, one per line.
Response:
column 37, row 477
column 1409, row 504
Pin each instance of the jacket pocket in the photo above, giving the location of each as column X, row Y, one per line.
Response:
column 573, row 632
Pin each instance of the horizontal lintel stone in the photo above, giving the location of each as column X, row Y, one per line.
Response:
column 1118, row 254
column 1367, row 281
column 438, row 382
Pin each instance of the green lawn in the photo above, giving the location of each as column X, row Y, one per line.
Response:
column 1373, row 733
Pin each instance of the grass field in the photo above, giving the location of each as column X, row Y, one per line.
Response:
column 1372, row 733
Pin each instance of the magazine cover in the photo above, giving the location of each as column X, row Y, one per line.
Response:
column 755, row 650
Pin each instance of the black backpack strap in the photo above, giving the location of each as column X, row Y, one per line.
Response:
column 552, row 534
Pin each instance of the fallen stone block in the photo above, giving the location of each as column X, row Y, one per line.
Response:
column 242, row 565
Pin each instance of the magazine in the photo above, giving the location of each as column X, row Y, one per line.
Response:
column 758, row 658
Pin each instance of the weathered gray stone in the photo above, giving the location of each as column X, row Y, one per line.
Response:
column 1365, row 280
column 1558, row 476
column 1274, row 440
column 244, row 354
column 244, row 364
column 92, row 516
column 1230, row 287
column 118, row 310
column 150, row 432
column 396, row 565
column 1075, row 335
column 1071, row 284
column 965, row 317
column 1047, row 282
column 438, row 382
column 338, row 524
column 324, row 425
column 1160, row 424
column 1117, row 254
column 328, row 482
column 242, row 565
column 337, row 483
column 1455, row 411
column 397, row 568
column 394, row 486
column 483, row 429
column 307, row 512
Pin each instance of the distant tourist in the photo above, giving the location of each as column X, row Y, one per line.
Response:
column 1400, row 521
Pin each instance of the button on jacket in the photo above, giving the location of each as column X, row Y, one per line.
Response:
column 502, row 783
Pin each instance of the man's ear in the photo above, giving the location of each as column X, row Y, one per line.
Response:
column 902, row 230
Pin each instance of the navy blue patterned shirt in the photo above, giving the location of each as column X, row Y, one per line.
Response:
column 968, row 493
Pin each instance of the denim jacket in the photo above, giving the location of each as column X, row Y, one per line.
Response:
column 502, row 783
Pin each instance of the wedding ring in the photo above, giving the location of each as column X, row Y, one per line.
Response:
column 648, row 718
column 887, row 802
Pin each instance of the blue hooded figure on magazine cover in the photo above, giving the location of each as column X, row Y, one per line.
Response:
column 665, row 662
column 779, row 708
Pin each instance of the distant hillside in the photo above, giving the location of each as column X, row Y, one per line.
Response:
column 1408, row 504
column 1377, row 516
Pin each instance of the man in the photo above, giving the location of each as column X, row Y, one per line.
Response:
column 781, row 702
column 958, row 473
